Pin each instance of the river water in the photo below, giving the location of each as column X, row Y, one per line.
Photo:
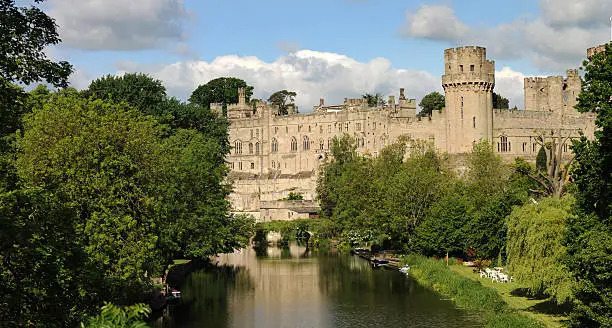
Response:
column 291, row 287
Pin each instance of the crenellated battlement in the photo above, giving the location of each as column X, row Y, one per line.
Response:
column 468, row 65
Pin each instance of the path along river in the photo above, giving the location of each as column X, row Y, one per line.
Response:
column 291, row 287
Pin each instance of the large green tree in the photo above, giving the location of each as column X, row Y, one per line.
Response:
column 282, row 99
column 589, row 239
column 499, row 102
column 373, row 100
column 432, row 101
column 138, row 90
column 534, row 250
column 223, row 90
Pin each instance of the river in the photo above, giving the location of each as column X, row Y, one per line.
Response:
column 291, row 287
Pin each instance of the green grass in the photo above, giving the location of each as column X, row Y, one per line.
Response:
column 467, row 293
column 538, row 309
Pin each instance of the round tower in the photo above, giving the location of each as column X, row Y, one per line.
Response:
column 468, row 83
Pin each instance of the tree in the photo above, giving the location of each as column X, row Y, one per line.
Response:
column 373, row 100
column 534, row 249
column 499, row 102
column 25, row 33
column 431, row 102
column 223, row 90
column 589, row 238
column 138, row 90
column 112, row 316
column 282, row 99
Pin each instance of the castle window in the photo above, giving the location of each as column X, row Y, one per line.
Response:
column 461, row 68
column 237, row 147
column 474, row 122
column 232, row 165
column 250, row 147
column 274, row 145
column 471, row 68
column 273, row 164
column 240, row 166
column 257, row 148
column 252, row 166
column 299, row 128
column 461, row 107
column 321, row 128
column 524, row 147
column 293, row 144
column 565, row 148
column 286, row 129
column 505, row 145
column 309, row 130
column 321, row 144
column 346, row 126
column 276, row 130
column 305, row 143
column 534, row 147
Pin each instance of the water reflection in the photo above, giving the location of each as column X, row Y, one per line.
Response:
column 292, row 287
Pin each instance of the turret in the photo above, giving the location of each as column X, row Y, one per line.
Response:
column 468, row 83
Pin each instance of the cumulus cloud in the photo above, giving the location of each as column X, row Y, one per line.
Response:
column 119, row 24
column 311, row 74
column 556, row 40
column 436, row 22
column 509, row 84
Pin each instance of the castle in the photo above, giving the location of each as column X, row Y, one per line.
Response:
column 274, row 155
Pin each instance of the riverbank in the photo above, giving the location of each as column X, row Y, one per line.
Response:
column 467, row 293
column 543, row 310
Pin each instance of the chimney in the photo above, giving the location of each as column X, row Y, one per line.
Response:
column 321, row 102
column 402, row 94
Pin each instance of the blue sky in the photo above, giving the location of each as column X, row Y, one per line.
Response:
column 323, row 48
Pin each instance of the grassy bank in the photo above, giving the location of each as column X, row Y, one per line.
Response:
column 543, row 310
column 467, row 293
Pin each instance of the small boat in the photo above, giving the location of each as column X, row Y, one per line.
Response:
column 174, row 296
column 404, row 269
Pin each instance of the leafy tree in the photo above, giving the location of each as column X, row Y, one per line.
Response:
column 25, row 32
column 282, row 99
column 112, row 316
column 374, row 100
column 535, row 251
column 499, row 102
column 138, row 90
column 223, row 90
column 432, row 101
column 589, row 239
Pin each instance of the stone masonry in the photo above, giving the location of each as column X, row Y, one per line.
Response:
column 274, row 155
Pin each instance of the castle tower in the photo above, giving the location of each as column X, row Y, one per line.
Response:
column 468, row 83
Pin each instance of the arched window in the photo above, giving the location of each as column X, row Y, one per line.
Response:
column 305, row 143
column 293, row 144
column 257, row 148
column 274, row 145
column 565, row 148
column 504, row 145
column 250, row 147
column 309, row 130
column 321, row 144
column 524, row 147
column 237, row 147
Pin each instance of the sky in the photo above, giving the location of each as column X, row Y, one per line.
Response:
column 328, row 49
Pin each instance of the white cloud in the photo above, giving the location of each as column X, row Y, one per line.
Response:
column 509, row 84
column 555, row 41
column 311, row 74
column 436, row 22
column 119, row 24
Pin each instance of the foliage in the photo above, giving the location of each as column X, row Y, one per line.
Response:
column 535, row 251
column 374, row 100
column 499, row 102
column 295, row 196
column 138, row 90
column 112, row 316
column 41, row 263
column 282, row 99
column 432, row 101
column 589, row 239
column 26, row 32
column 465, row 292
column 223, row 90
